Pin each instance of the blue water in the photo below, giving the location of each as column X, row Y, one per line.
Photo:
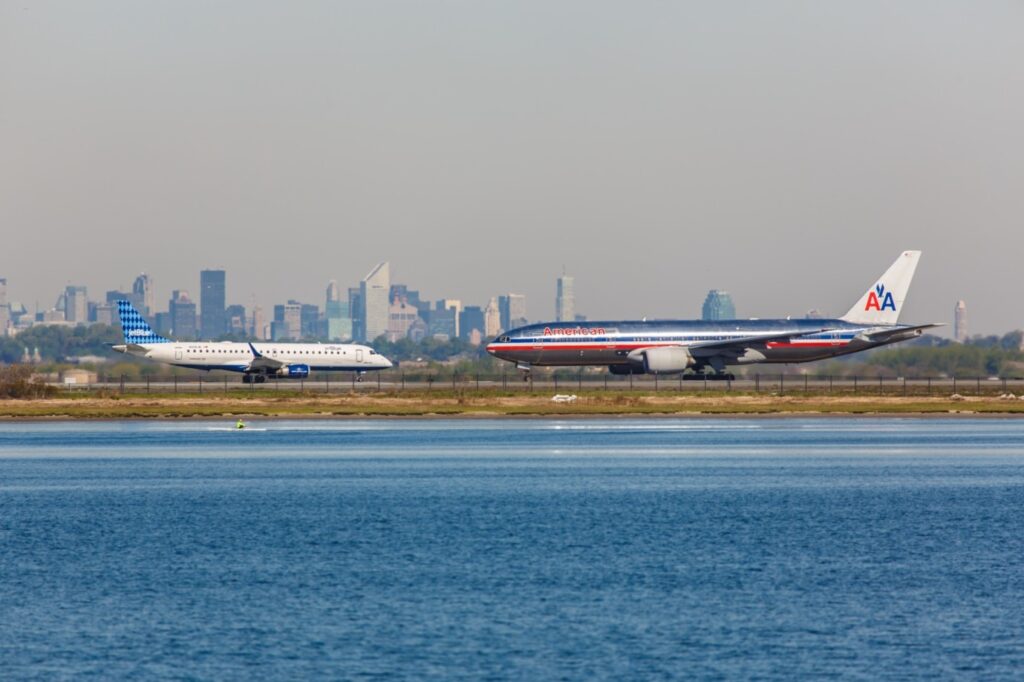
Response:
column 521, row 549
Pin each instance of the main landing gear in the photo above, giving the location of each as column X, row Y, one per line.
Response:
column 524, row 368
column 254, row 378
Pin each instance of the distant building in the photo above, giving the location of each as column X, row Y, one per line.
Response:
column 142, row 294
column 106, row 313
column 442, row 323
column 113, row 296
column 455, row 305
column 337, row 314
column 410, row 296
column 471, row 320
column 212, row 303
column 512, row 308
column 960, row 321
column 182, row 311
column 565, row 300
column 355, row 309
column 373, row 292
column 5, row 311
column 492, row 319
column 401, row 316
column 718, row 306
column 76, row 305
column 309, row 317
column 237, row 323
column 258, row 328
column 287, row 324
column 162, row 324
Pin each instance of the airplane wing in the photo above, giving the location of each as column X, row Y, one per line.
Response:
column 259, row 361
column 739, row 346
column 899, row 333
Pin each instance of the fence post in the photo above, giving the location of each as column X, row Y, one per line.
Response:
column 122, row 383
column 147, row 383
column 855, row 384
column 175, row 382
column 782, row 383
column 378, row 381
column 200, row 378
column 829, row 383
column 757, row 382
column 579, row 380
column 225, row 383
column 954, row 383
column 327, row 382
column 655, row 383
column 929, row 385
column 904, row 387
column 805, row 383
column 631, row 381
column 879, row 384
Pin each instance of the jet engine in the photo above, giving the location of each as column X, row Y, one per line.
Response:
column 294, row 371
column 664, row 360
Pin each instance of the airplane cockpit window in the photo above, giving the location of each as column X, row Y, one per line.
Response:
column 504, row 339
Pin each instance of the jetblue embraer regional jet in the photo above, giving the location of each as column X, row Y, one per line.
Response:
column 675, row 346
column 255, row 361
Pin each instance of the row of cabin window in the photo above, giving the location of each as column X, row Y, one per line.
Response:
column 293, row 352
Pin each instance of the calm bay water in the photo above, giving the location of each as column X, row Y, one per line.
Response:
column 523, row 549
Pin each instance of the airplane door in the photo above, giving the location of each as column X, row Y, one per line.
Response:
column 177, row 354
column 359, row 354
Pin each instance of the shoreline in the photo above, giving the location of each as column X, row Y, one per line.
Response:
column 491, row 406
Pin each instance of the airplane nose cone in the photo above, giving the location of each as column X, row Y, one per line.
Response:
column 387, row 363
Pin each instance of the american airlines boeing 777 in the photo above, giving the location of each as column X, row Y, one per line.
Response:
column 675, row 346
column 255, row 361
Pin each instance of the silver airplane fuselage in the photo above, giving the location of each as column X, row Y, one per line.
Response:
column 611, row 343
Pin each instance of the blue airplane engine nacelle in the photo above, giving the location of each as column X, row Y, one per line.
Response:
column 295, row 371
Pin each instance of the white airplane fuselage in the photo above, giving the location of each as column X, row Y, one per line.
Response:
column 238, row 357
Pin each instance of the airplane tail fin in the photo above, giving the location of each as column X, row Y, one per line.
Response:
column 883, row 302
column 134, row 327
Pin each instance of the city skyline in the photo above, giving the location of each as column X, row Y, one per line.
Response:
column 783, row 153
column 292, row 321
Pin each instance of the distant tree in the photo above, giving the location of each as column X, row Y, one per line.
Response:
column 16, row 381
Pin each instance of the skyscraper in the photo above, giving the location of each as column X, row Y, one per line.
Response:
column 182, row 311
column 492, row 318
column 258, row 330
column 718, row 306
column 287, row 322
column 236, row 320
column 355, row 311
column 960, row 321
column 512, row 308
column 76, row 305
column 565, row 300
column 471, row 319
column 337, row 314
column 212, row 303
column 142, row 294
column 455, row 305
column 373, row 292
column 5, row 311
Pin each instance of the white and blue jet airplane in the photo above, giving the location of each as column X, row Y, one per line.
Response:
column 255, row 361
column 677, row 346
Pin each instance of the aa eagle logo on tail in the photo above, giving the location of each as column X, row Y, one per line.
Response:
column 880, row 299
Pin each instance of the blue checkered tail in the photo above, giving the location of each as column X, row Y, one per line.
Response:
column 135, row 327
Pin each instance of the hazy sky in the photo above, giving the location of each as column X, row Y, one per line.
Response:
column 784, row 151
